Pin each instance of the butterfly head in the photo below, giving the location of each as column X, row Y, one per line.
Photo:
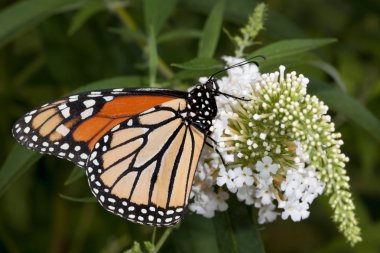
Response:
column 211, row 86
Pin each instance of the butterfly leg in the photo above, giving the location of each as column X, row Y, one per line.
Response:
column 213, row 140
column 217, row 151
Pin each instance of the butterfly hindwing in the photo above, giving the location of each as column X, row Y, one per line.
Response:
column 143, row 168
column 70, row 127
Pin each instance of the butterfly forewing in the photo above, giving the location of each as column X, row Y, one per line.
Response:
column 143, row 168
column 70, row 127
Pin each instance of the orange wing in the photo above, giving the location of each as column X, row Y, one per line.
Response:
column 143, row 168
column 70, row 127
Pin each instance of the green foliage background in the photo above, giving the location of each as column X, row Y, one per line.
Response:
column 49, row 48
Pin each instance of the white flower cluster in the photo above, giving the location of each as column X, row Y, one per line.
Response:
column 265, row 168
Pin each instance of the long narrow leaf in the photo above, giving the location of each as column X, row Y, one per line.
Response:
column 236, row 232
column 84, row 14
column 75, row 174
column 179, row 34
column 17, row 163
column 247, row 237
column 211, row 31
column 24, row 15
column 115, row 82
column 153, row 57
column 286, row 48
column 199, row 233
column 90, row 199
column 157, row 12
column 199, row 64
column 237, row 11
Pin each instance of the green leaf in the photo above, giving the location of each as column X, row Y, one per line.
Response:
column 75, row 174
column 157, row 12
column 17, row 163
column 115, row 82
column 237, row 11
column 211, row 31
column 24, row 15
column 153, row 57
column 199, row 233
column 178, row 34
column 199, row 64
column 273, row 64
column 347, row 106
column 82, row 199
column 84, row 14
column 286, row 48
column 136, row 248
column 128, row 35
column 192, row 74
column 235, row 230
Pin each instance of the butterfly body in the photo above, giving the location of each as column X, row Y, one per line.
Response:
column 140, row 147
column 202, row 105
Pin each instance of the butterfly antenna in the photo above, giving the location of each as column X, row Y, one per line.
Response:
column 232, row 96
column 217, row 151
column 250, row 60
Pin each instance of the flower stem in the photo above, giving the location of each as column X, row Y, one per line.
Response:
column 154, row 235
column 130, row 24
column 162, row 240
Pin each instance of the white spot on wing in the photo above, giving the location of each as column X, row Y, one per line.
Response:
column 66, row 112
column 83, row 156
column 65, row 146
column 62, row 106
column 28, row 118
column 73, row 98
column 89, row 103
column 108, row 98
column 93, row 155
column 115, row 128
column 87, row 113
column 63, row 130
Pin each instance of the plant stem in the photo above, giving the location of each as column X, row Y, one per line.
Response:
column 162, row 240
column 154, row 235
column 131, row 25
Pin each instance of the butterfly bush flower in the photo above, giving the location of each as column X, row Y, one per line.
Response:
column 280, row 148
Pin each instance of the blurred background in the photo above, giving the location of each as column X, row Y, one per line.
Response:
column 49, row 48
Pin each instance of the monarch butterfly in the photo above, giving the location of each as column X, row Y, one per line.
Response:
column 140, row 147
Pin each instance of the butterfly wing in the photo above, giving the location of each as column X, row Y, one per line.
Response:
column 143, row 168
column 70, row 127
